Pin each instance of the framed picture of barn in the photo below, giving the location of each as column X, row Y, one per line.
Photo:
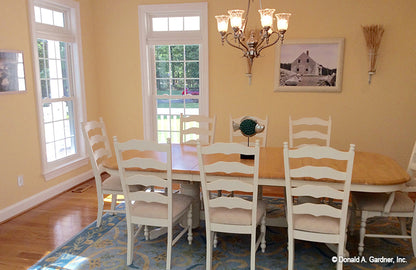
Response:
column 311, row 65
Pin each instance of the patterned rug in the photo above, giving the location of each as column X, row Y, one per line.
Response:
column 105, row 248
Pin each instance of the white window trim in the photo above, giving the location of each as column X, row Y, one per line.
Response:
column 59, row 167
column 184, row 37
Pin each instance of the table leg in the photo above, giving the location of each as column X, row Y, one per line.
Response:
column 193, row 190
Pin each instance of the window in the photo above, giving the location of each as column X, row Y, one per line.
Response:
column 174, row 65
column 58, row 73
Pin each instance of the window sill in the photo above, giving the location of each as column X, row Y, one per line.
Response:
column 68, row 167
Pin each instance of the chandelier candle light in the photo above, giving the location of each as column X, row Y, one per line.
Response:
column 250, row 45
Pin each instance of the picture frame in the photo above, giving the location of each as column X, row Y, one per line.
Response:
column 12, row 72
column 309, row 65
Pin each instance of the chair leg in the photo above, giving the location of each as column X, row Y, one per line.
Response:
column 364, row 215
column 413, row 234
column 113, row 202
column 403, row 225
column 291, row 252
column 341, row 252
column 215, row 239
column 253, row 252
column 209, row 249
column 146, row 233
column 190, row 225
column 100, row 210
column 130, row 243
column 263, row 234
column 169, row 251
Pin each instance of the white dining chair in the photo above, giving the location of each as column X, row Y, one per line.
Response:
column 98, row 148
column 236, row 136
column 396, row 204
column 316, row 221
column 150, row 207
column 238, row 215
column 197, row 127
column 309, row 130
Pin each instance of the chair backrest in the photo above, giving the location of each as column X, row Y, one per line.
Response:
column 97, row 144
column 236, row 136
column 311, row 129
column 149, row 157
column 306, row 163
column 411, row 170
column 197, row 127
column 225, row 158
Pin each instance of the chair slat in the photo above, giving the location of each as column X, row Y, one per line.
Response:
column 229, row 167
column 146, row 180
column 230, row 185
column 149, row 197
column 324, row 152
column 230, row 203
column 317, row 210
column 310, row 134
column 228, row 148
column 310, row 121
column 143, row 163
column 318, row 191
column 318, row 173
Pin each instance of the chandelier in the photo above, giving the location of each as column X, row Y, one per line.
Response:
column 252, row 44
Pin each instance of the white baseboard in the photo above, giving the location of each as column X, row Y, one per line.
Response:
column 28, row 203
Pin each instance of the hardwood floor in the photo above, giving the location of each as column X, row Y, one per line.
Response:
column 28, row 237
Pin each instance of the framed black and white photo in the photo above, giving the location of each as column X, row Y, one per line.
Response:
column 309, row 65
column 12, row 75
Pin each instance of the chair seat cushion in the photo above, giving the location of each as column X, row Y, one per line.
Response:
column 180, row 202
column 113, row 183
column 377, row 201
column 318, row 224
column 235, row 216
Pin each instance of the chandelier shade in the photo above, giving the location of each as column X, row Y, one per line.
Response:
column 252, row 44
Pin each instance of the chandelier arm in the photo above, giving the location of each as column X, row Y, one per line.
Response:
column 232, row 45
column 279, row 37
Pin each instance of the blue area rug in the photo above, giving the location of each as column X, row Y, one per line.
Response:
column 105, row 248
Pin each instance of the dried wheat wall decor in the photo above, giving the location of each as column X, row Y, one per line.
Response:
column 373, row 35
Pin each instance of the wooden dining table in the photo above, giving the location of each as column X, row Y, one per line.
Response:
column 372, row 172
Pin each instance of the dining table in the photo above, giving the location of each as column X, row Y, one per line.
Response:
column 372, row 172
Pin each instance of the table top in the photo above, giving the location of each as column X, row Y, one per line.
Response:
column 369, row 168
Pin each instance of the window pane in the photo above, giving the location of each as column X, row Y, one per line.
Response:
column 50, row 152
column 49, row 134
column 162, row 69
column 60, row 149
column 47, row 113
column 162, row 136
column 160, row 24
column 177, row 70
column 59, row 130
column 58, row 18
column 193, row 86
column 46, row 15
column 44, row 84
column 192, row 70
column 176, row 52
column 175, row 122
column 162, row 52
column 57, row 111
column 177, row 106
column 37, row 15
column 192, row 52
column 175, row 23
column 191, row 23
column 178, row 87
column 162, row 86
column 191, row 104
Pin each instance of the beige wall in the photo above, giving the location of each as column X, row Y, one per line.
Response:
column 377, row 117
column 19, row 134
